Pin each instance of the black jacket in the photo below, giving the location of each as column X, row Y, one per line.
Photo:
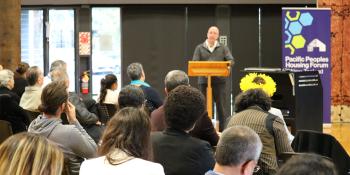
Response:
column 179, row 153
column 11, row 111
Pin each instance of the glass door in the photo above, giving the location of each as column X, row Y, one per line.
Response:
column 61, row 40
column 106, row 45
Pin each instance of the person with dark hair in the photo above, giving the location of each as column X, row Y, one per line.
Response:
column 29, row 154
column 174, row 148
column 203, row 129
column 131, row 96
column 125, row 147
column 72, row 139
column 237, row 152
column 252, row 108
column 9, row 103
column 310, row 164
column 30, row 99
column 108, row 93
column 137, row 77
column 20, row 78
column 212, row 50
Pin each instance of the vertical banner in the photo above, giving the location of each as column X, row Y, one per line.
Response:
column 84, row 43
column 306, row 46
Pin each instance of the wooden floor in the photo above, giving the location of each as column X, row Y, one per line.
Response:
column 341, row 131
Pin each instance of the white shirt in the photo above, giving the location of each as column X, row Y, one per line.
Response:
column 31, row 98
column 211, row 49
column 111, row 97
column 278, row 113
column 134, row 166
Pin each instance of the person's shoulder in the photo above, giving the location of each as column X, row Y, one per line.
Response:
column 89, row 166
column 148, row 167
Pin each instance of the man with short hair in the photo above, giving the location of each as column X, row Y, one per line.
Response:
column 56, row 66
column 237, row 152
column 30, row 99
column 137, row 77
column 310, row 164
column 174, row 148
column 203, row 128
column 212, row 50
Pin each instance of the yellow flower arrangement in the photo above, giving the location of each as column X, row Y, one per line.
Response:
column 255, row 80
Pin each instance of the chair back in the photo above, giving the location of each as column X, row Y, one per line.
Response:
column 106, row 111
column 322, row 144
column 5, row 130
column 32, row 115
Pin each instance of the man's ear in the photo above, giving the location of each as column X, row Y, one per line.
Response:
column 166, row 91
column 248, row 167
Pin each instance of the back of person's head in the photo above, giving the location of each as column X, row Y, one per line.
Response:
column 106, row 83
column 129, row 131
column 134, row 71
column 238, row 145
column 60, row 75
column 5, row 76
column 131, row 96
column 184, row 105
column 29, row 154
column 33, row 75
column 175, row 78
column 53, row 96
column 58, row 64
column 22, row 68
column 252, row 97
column 310, row 164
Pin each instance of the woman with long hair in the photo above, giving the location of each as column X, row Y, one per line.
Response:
column 108, row 93
column 29, row 154
column 125, row 147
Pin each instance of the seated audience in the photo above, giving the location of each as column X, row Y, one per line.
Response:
column 20, row 78
column 72, row 139
column 30, row 99
column 125, row 147
column 89, row 120
column 29, row 154
column 137, row 77
column 308, row 164
column 252, row 108
column 203, row 128
column 131, row 96
column 237, row 152
column 55, row 67
column 108, row 91
column 10, row 110
column 174, row 148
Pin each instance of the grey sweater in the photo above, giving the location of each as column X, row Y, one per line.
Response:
column 75, row 143
column 220, row 53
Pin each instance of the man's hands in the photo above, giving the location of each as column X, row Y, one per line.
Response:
column 70, row 111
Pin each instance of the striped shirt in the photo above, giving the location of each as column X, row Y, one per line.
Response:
column 255, row 118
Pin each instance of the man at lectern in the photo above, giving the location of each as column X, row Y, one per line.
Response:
column 212, row 50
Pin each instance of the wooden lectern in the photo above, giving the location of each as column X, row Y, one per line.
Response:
column 209, row 69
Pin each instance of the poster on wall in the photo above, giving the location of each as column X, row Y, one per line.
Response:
column 306, row 46
column 84, row 43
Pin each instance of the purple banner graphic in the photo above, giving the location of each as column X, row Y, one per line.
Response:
column 306, row 46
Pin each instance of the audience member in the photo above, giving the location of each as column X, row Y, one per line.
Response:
column 72, row 139
column 108, row 91
column 29, row 154
column 310, row 164
column 125, row 147
column 20, row 78
column 57, row 66
column 30, row 99
column 89, row 120
column 131, row 96
column 252, row 108
column 203, row 128
column 10, row 109
column 137, row 77
column 237, row 152
column 174, row 148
